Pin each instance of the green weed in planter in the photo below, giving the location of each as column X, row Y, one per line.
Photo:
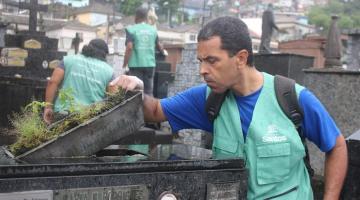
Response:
column 33, row 131
column 30, row 127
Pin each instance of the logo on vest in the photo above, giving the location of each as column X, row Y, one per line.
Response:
column 272, row 135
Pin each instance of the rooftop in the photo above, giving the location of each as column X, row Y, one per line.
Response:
column 74, row 24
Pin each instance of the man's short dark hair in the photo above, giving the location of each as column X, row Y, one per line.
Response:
column 140, row 14
column 233, row 33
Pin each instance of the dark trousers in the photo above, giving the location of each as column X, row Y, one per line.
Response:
column 146, row 74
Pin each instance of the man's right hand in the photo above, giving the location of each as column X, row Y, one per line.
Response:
column 151, row 106
column 128, row 82
column 48, row 115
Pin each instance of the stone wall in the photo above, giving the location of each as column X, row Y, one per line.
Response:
column 188, row 75
column 338, row 90
column 187, row 71
column 353, row 50
column 116, row 61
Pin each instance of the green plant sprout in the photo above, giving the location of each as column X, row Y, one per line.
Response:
column 33, row 131
column 67, row 100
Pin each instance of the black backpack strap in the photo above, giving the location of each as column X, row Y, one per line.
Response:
column 287, row 98
column 213, row 104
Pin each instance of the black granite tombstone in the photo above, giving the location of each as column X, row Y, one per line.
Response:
column 146, row 136
column 288, row 65
column 25, row 63
column 163, row 76
column 351, row 189
column 141, row 180
column 3, row 26
column 16, row 93
column 40, row 50
column 33, row 8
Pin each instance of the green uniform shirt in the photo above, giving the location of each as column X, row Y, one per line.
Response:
column 87, row 79
column 273, row 149
column 144, row 38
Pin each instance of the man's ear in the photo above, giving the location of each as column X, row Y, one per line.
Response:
column 241, row 57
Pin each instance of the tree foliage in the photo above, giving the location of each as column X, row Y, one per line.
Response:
column 173, row 5
column 128, row 7
column 165, row 6
column 347, row 10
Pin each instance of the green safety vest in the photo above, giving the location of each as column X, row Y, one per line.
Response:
column 144, row 38
column 87, row 79
column 273, row 150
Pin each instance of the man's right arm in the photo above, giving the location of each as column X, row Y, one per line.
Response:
column 321, row 129
column 152, row 110
column 183, row 111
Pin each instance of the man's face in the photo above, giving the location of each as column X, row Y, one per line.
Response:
column 218, row 69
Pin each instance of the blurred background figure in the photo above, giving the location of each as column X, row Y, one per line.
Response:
column 141, row 41
column 268, row 24
column 76, row 42
column 152, row 17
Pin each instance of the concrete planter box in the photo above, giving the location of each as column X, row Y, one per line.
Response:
column 94, row 134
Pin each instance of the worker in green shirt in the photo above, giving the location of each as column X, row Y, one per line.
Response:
column 141, row 41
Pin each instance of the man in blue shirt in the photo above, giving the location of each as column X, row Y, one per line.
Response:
column 251, row 125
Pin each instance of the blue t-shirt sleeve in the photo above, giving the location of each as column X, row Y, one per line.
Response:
column 187, row 110
column 318, row 125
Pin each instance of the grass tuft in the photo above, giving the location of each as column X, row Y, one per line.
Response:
column 32, row 130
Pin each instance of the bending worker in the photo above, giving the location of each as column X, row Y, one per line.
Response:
column 86, row 75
